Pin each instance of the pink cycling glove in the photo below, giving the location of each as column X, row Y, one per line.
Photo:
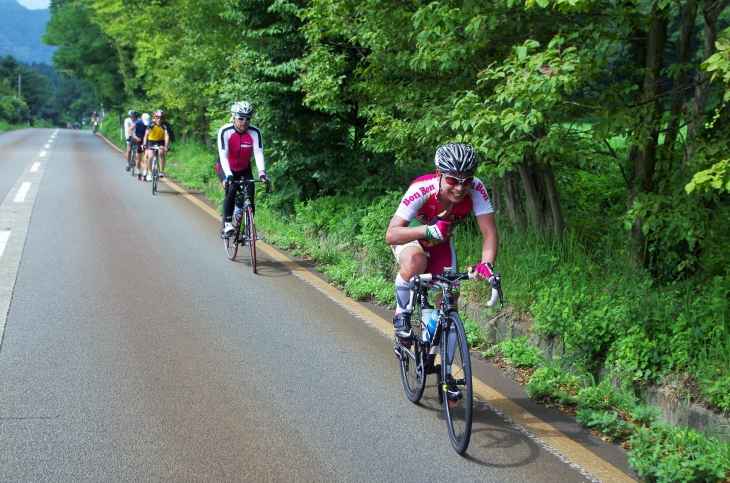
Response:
column 483, row 270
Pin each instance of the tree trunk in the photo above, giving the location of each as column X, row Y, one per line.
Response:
column 534, row 212
column 497, row 197
column 556, row 208
column 646, row 156
column 711, row 11
column 183, row 125
column 684, row 44
column 515, row 209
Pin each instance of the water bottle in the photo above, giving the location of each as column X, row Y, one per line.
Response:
column 425, row 319
column 237, row 213
column 432, row 323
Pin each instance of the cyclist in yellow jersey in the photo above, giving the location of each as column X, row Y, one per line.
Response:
column 157, row 134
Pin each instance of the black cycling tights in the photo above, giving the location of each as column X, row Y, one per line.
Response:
column 230, row 200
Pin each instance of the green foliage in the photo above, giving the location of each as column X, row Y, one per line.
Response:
column 661, row 453
column 473, row 333
column 33, row 91
column 643, row 416
column 11, row 110
column 550, row 384
column 518, row 352
column 607, row 422
column 604, row 396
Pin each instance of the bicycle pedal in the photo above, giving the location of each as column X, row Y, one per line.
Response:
column 398, row 352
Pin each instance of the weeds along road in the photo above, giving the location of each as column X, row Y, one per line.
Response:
column 133, row 350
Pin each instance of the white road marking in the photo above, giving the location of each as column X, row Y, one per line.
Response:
column 42, row 154
column 35, row 167
column 4, row 235
column 22, row 192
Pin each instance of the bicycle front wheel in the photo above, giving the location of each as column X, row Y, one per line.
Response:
column 230, row 242
column 412, row 368
column 133, row 158
column 251, row 234
column 456, row 383
column 154, row 175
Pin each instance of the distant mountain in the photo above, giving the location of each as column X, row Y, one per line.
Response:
column 20, row 33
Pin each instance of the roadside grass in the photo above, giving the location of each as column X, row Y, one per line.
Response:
column 5, row 126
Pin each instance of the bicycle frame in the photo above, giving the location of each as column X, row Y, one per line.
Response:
column 243, row 215
column 421, row 287
column 418, row 357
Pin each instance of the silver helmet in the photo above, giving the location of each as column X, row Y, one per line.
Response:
column 241, row 108
column 456, row 158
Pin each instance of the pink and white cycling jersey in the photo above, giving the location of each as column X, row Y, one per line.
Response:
column 420, row 205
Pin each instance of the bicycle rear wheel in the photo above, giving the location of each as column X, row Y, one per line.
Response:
column 251, row 234
column 154, row 174
column 456, row 383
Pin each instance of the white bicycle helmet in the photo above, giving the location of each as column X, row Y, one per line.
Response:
column 241, row 108
column 132, row 113
column 146, row 119
column 456, row 158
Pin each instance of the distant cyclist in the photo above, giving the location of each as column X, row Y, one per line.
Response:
column 136, row 132
column 94, row 121
column 420, row 233
column 238, row 142
column 128, row 122
column 157, row 134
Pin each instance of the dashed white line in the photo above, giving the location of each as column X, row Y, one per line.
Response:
column 4, row 235
column 42, row 154
column 22, row 192
column 35, row 167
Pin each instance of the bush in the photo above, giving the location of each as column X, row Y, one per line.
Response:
column 661, row 453
column 551, row 385
column 608, row 423
column 518, row 352
column 604, row 396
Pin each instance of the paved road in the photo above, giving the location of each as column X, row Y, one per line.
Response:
column 133, row 350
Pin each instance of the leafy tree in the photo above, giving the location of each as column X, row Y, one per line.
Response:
column 85, row 52
column 33, row 89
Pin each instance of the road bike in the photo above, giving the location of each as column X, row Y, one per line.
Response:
column 132, row 157
column 453, row 368
column 243, row 233
column 155, row 166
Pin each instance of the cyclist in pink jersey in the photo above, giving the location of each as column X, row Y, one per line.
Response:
column 238, row 142
column 421, row 231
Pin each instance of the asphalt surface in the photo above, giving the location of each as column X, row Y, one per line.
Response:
column 133, row 350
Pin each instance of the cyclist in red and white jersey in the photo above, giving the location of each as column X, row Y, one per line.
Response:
column 238, row 142
column 421, row 231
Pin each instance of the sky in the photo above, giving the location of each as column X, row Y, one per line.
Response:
column 35, row 4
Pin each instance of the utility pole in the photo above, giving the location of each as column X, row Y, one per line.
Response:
column 19, row 80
